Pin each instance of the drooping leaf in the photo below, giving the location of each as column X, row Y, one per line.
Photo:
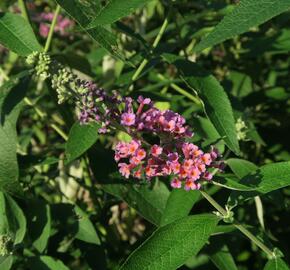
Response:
column 13, row 221
column 17, row 35
column 231, row 182
column 170, row 246
column 6, row 262
column 83, row 13
column 86, row 231
column 11, row 95
column 216, row 102
column 276, row 264
column 75, row 222
column 150, row 203
column 267, row 178
column 39, row 224
column 241, row 167
column 46, row 263
column 222, row 258
column 178, row 205
column 115, row 10
column 247, row 14
column 81, row 138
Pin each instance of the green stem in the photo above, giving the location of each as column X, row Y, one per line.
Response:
column 51, row 30
column 240, row 227
column 181, row 91
column 23, row 9
column 59, row 131
column 5, row 76
column 155, row 43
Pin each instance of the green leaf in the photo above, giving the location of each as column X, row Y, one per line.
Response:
column 150, row 203
column 232, row 183
column 216, row 102
column 46, row 263
column 241, row 167
column 13, row 221
column 17, row 35
column 11, row 95
column 266, row 179
column 223, row 259
column 170, row 246
column 75, row 222
column 83, row 13
column 247, row 14
column 6, row 262
column 179, row 205
column 276, row 264
column 86, row 231
column 80, row 139
column 39, row 224
column 115, row 10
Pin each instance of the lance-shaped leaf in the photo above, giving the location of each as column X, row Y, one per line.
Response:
column 17, row 35
column 247, row 14
column 83, row 13
column 216, row 102
column 266, row 179
column 170, row 246
column 221, row 256
column 11, row 95
column 115, row 10
column 149, row 202
column 178, row 205
column 241, row 167
column 39, row 221
column 276, row 264
column 13, row 221
column 80, row 139
column 45, row 263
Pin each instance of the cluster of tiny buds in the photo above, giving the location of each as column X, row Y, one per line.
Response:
column 42, row 63
column 6, row 245
column 63, row 81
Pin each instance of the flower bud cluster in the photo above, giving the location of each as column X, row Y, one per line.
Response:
column 42, row 68
column 5, row 245
column 66, row 84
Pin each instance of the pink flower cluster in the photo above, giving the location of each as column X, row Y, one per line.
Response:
column 153, row 120
column 63, row 26
column 173, row 156
column 184, row 162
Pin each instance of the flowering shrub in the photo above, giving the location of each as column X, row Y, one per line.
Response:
column 119, row 149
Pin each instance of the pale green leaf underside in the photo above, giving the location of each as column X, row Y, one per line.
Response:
column 247, row 14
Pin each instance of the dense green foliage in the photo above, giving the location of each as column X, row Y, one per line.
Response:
column 223, row 65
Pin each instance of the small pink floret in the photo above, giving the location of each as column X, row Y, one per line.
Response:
column 128, row 119
column 175, row 183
